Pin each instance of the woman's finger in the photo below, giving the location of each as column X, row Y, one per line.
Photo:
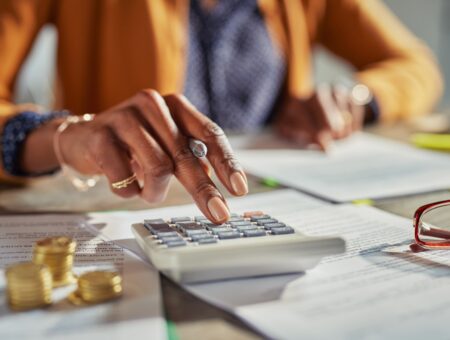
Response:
column 113, row 161
column 220, row 154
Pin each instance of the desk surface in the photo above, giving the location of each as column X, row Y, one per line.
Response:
column 193, row 317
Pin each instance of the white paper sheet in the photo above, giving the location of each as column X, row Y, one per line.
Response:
column 138, row 314
column 379, row 289
column 360, row 167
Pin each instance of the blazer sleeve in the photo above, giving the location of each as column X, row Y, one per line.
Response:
column 20, row 22
column 400, row 70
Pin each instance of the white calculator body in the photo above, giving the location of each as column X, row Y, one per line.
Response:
column 253, row 244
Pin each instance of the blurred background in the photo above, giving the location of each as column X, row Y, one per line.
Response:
column 428, row 19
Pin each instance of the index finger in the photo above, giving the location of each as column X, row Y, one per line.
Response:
column 188, row 168
column 220, row 154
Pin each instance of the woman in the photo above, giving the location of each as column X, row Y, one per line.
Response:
column 242, row 64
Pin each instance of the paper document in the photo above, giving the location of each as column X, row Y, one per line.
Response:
column 362, row 166
column 378, row 289
column 138, row 314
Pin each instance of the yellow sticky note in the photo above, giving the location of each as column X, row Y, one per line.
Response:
column 366, row 201
column 432, row 141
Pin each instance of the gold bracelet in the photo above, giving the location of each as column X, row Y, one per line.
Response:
column 81, row 182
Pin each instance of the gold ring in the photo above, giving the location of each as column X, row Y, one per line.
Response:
column 124, row 183
column 347, row 117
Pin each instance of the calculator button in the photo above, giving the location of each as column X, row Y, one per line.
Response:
column 157, row 225
column 166, row 239
column 267, row 220
column 226, row 235
column 161, row 234
column 210, row 224
column 216, row 231
column 239, row 223
column 180, row 219
column 200, row 219
column 207, row 240
column 177, row 243
column 254, row 233
column 189, row 226
column 216, row 226
column 197, row 237
column 261, row 217
column 236, row 219
column 246, row 227
column 269, row 226
column 253, row 213
column 154, row 221
column 162, row 230
column 193, row 232
column 282, row 231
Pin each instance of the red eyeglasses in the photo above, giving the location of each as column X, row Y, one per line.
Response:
column 432, row 225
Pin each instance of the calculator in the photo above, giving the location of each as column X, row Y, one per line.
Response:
column 193, row 249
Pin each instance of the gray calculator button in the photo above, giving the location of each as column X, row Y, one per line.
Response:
column 193, row 232
column 166, row 233
column 180, row 219
column 236, row 219
column 282, row 231
column 207, row 240
column 154, row 221
column 226, row 235
column 178, row 243
column 259, row 217
column 216, row 226
column 187, row 224
column 210, row 224
column 242, row 228
column 200, row 218
column 239, row 223
column 197, row 237
column 269, row 226
column 166, row 239
column 216, row 231
column 254, row 233
column 267, row 220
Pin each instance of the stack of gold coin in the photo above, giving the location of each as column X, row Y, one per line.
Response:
column 57, row 253
column 29, row 285
column 96, row 287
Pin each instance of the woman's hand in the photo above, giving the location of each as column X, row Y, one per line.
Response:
column 149, row 135
column 330, row 113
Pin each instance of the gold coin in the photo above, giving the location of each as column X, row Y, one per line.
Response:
column 99, row 279
column 58, row 254
column 29, row 285
column 59, row 244
column 97, row 287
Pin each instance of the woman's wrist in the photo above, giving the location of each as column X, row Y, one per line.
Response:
column 37, row 155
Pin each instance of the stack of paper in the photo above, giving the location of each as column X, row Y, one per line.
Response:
column 360, row 167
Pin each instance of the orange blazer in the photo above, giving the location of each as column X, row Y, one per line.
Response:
column 110, row 49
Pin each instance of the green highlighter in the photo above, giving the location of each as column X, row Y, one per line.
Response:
column 432, row 141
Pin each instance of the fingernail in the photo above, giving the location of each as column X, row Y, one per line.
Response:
column 238, row 183
column 218, row 209
column 325, row 140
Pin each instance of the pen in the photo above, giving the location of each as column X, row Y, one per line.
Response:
column 198, row 148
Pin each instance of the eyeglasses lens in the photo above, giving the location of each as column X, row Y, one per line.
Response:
column 434, row 226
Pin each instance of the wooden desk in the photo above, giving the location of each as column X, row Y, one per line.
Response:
column 193, row 318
